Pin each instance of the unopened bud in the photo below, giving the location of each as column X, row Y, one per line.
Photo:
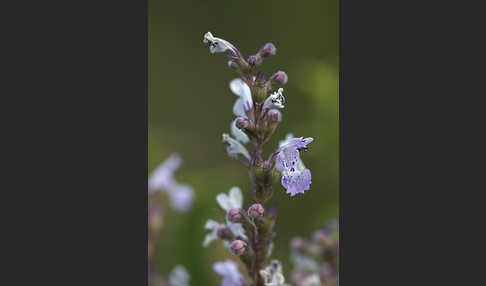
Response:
column 254, row 60
column 236, row 215
column 260, row 78
column 256, row 211
column 274, row 115
column 268, row 50
column 238, row 247
column 279, row 78
column 242, row 123
column 232, row 65
column 224, row 232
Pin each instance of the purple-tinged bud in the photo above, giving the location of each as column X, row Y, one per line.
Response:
column 274, row 115
column 268, row 50
column 242, row 123
column 260, row 78
column 236, row 215
column 255, row 60
column 232, row 65
column 224, row 232
column 279, row 78
column 256, row 211
column 238, row 247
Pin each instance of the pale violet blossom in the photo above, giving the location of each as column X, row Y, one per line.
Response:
column 275, row 100
column 217, row 45
column 179, row 276
column 296, row 178
column 242, row 105
column 234, row 200
column 163, row 176
column 272, row 274
column 229, row 270
column 233, row 147
column 181, row 197
column 304, row 263
column 162, row 179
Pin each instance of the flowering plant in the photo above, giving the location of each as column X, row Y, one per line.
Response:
column 249, row 233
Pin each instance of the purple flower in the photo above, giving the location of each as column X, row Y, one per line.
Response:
column 229, row 270
column 162, row 179
column 295, row 177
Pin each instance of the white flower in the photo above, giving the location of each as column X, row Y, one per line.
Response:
column 229, row 270
column 272, row 274
column 179, row 276
column 242, row 105
column 233, row 147
column 217, row 45
column 163, row 176
column 275, row 100
column 213, row 234
column 234, row 200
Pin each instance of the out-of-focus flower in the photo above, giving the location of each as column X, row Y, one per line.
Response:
column 229, row 270
column 272, row 274
column 181, row 197
column 233, row 147
column 295, row 177
column 217, row 45
column 179, row 276
column 162, row 179
column 275, row 100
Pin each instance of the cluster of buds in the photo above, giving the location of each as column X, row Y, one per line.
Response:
column 316, row 260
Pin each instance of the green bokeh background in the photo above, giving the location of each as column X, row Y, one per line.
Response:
column 190, row 105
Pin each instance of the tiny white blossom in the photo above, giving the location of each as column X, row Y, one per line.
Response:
column 181, row 197
column 275, row 100
column 272, row 274
column 234, row 200
column 217, row 45
column 213, row 234
column 229, row 270
column 179, row 276
column 244, row 101
column 233, row 147
column 238, row 133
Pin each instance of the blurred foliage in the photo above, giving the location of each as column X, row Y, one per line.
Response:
column 190, row 105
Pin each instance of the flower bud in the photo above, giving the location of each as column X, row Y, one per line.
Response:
column 242, row 123
column 260, row 78
column 232, row 65
column 236, row 215
column 279, row 78
column 224, row 232
column 255, row 60
column 268, row 50
column 322, row 237
column 256, row 211
column 238, row 247
column 274, row 115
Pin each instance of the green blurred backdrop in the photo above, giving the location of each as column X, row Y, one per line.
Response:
column 190, row 105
